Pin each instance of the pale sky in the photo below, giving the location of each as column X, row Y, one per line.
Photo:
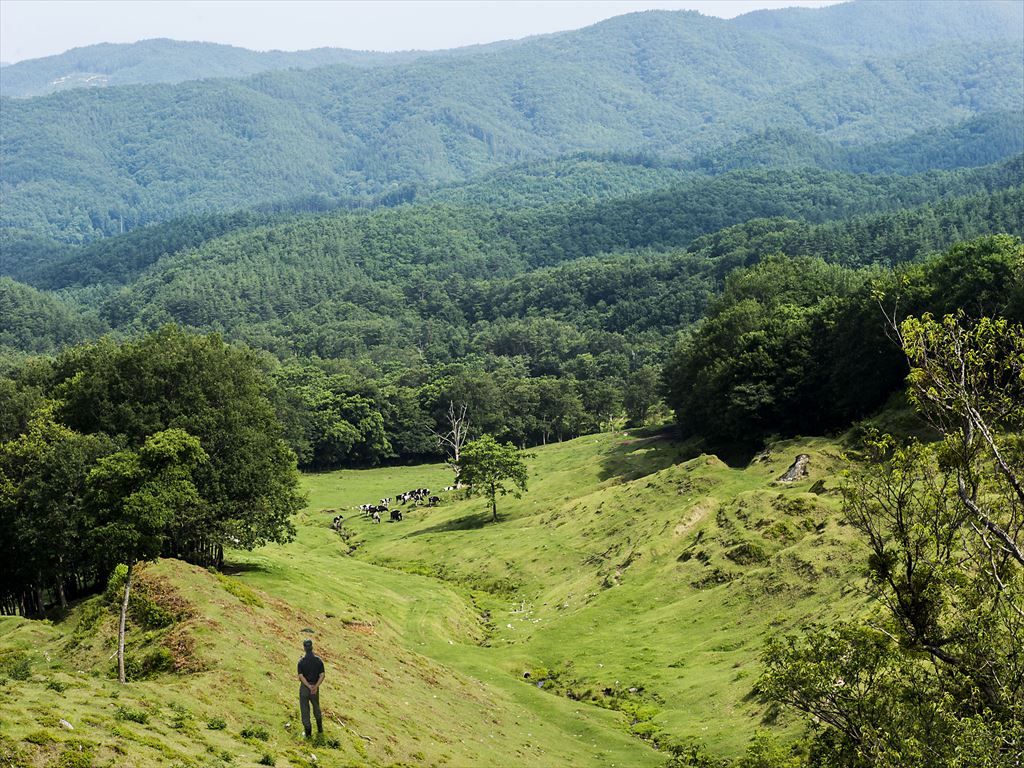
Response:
column 33, row 28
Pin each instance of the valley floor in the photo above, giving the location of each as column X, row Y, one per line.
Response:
column 614, row 610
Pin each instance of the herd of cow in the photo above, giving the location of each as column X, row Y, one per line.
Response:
column 385, row 506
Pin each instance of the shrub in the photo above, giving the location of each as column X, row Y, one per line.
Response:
column 56, row 685
column 75, row 758
column 181, row 717
column 239, row 590
column 11, row 755
column 322, row 740
column 255, row 732
column 142, row 608
column 114, row 592
column 159, row 660
column 645, row 730
column 147, row 613
column 748, row 553
column 131, row 714
column 216, row 724
column 88, row 616
column 267, row 759
column 132, row 667
column 15, row 664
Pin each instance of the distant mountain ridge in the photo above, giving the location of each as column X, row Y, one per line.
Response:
column 162, row 60
column 839, row 29
column 84, row 163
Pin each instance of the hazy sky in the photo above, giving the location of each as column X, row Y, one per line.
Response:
column 33, row 28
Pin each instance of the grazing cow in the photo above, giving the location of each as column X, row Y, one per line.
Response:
column 376, row 516
column 396, row 515
column 433, row 501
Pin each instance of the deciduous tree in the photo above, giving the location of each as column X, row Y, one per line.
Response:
column 486, row 465
column 135, row 495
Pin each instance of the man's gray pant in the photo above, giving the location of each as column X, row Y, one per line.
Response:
column 305, row 699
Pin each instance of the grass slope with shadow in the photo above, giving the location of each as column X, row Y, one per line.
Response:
column 613, row 611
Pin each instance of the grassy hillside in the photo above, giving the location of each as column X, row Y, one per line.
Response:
column 634, row 585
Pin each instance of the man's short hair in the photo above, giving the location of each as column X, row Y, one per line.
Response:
column 307, row 644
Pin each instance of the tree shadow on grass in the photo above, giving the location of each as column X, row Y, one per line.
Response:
column 644, row 452
column 231, row 569
column 468, row 522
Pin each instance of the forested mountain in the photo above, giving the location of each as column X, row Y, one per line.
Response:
column 856, row 31
column 509, row 240
column 976, row 141
column 174, row 61
column 438, row 282
column 84, row 163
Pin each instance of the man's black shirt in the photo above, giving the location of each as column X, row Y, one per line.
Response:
column 311, row 667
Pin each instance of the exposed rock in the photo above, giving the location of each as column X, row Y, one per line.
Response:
column 66, row 724
column 797, row 470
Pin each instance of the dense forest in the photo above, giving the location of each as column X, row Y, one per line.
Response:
column 550, row 320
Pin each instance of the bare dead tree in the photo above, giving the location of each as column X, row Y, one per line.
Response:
column 454, row 436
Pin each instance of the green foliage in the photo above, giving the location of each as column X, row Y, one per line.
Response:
column 15, row 664
column 795, row 345
column 142, row 608
column 216, row 724
column 641, row 393
column 257, row 732
column 131, row 714
column 937, row 679
column 166, row 492
column 747, row 553
column 267, row 759
column 41, row 322
column 159, row 660
column 335, row 419
column 247, row 491
column 978, row 140
column 485, row 465
column 767, row 751
column 44, row 521
column 73, row 757
column 240, row 590
column 169, row 61
column 136, row 494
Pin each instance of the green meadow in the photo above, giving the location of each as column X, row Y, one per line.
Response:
column 614, row 614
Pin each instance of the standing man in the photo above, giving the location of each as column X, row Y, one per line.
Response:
column 311, row 674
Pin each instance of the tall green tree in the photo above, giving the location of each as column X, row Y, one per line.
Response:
column 217, row 393
column 43, row 521
column 641, row 393
column 487, row 465
column 135, row 495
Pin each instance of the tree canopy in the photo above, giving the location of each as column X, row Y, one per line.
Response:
column 492, row 469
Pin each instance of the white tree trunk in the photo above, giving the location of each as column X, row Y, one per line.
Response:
column 124, row 617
